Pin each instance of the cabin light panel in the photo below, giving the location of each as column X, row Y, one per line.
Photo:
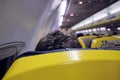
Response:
column 90, row 30
column 94, row 30
column 115, row 8
column 102, row 28
column 86, row 22
column 100, row 16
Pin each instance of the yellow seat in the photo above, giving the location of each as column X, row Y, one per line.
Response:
column 117, row 36
column 85, row 41
column 67, row 65
column 97, row 43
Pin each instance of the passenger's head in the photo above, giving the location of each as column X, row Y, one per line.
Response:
column 80, row 34
column 96, row 35
column 87, row 34
column 115, row 33
column 57, row 40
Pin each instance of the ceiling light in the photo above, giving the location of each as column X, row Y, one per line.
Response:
column 68, row 20
column 80, row 2
column 83, row 31
column 90, row 30
column 98, row 29
column 108, row 29
column 86, row 31
column 103, row 28
column 71, row 14
column 118, row 28
column 77, row 32
column 94, row 30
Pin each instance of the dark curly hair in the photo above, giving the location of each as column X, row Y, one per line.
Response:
column 57, row 40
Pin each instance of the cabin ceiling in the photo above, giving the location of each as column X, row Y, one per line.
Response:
column 81, row 9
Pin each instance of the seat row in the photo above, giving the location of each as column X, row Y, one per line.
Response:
column 99, row 42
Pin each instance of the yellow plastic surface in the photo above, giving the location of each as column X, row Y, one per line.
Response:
column 71, row 65
column 117, row 36
column 82, row 43
column 96, row 43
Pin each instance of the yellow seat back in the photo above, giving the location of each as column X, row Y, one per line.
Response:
column 67, row 65
column 85, row 41
column 117, row 36
column 104, row 41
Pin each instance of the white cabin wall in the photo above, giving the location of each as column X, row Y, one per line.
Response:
column 22, row 20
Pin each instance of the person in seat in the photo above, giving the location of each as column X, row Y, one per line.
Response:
column 58, row 40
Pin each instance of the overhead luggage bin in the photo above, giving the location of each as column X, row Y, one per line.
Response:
column 85, row 41
column 100, row 23
column 106, row 41
column 67, row 65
